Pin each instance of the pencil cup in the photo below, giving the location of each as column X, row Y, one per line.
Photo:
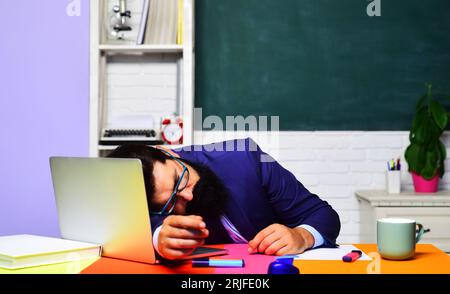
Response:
column 393, row 181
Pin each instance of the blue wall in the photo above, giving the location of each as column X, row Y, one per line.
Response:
column 44, row 110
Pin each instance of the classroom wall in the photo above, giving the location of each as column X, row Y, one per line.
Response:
column 44, row 91
column 336, row 164
column 44, row 111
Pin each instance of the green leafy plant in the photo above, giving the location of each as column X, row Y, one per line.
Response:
column 426, row 153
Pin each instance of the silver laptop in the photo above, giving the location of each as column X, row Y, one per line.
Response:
column 103, row 201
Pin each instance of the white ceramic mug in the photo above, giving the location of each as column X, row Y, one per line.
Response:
column 397, row 237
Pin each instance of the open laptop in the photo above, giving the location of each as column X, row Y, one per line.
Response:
column 103, row 201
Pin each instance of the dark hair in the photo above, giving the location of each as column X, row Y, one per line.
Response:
column 147, row 155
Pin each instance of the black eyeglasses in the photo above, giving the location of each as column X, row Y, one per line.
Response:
column 180, row 185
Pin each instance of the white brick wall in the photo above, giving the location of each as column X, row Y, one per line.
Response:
column 334, row 165
column 144, row 85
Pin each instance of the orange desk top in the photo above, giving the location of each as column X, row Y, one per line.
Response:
column 428, row 260
column 254, row 264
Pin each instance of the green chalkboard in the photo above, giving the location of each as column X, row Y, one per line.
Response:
column 320, row 64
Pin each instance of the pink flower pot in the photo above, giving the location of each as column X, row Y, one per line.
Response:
column 422, row 185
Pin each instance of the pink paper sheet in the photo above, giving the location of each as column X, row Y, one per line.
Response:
column 254, row 263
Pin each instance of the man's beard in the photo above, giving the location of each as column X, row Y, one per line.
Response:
column 209, row 195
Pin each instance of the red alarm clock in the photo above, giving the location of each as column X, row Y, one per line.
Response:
column 172, row 130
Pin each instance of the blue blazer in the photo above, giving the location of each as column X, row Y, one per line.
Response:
column 261, row 193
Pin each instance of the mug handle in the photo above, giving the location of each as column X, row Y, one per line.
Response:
column 419, row 232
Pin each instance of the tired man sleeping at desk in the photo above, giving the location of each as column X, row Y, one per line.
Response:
column 229, row 192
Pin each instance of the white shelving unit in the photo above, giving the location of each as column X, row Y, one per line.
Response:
column 141, row 48
column 101, row 54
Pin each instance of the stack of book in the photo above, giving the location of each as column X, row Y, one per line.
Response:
column 21, row 251
column 161, row 22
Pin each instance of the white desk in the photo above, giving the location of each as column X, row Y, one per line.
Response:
column 431, row 210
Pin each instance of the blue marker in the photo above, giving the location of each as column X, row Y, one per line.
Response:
column 206, row 262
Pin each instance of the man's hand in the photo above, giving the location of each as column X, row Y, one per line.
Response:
column 278, row 239
column 180, row 235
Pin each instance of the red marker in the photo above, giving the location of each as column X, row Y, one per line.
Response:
column 352, row 256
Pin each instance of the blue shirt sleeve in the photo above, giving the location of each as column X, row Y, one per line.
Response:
column 318, row 239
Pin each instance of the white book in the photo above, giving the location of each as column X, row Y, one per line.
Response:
column 20, row 251
column 162, row 22
column 143, row 24
column 170, row 21
column 173, row 22
column 159, row 26
column 150, row 32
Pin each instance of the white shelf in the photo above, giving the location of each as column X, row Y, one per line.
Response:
column 112, row 147
column 100, row 51
column 405, row 198
column 113, row 48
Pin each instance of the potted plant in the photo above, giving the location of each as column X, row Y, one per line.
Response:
column 426, row 153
